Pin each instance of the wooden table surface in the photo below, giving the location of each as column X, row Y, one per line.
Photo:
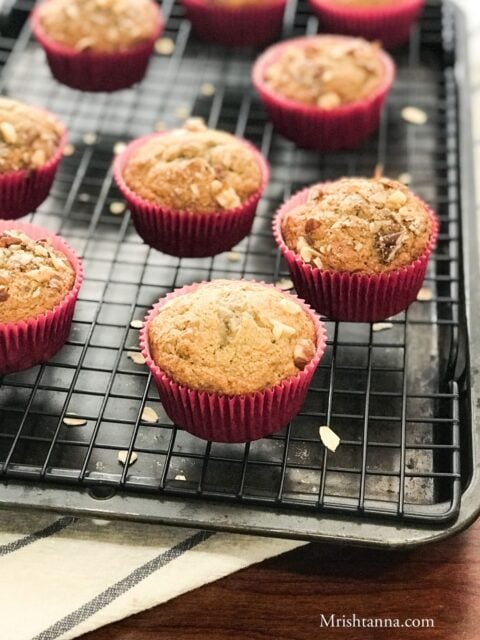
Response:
column 284, row 598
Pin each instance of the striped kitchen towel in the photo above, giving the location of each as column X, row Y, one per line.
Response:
column 61, row 576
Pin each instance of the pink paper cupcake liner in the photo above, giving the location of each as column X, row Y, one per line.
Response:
column 21, row 192
column 27, row 343
column 311, row 127
column 391, row 23
column 91, row 71
column 223, row 418
column 249, row 26
column 353, row 297
column 185, row 234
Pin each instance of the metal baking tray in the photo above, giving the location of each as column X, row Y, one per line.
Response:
column 403, row 400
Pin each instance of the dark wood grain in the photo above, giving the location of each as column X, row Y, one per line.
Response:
column 284, row 598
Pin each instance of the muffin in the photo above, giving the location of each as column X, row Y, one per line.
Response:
column 232, row 359
column 193, row 192
column 97, row 45
column 236, row 23
column 357, row 248
column 31, row 146
column 324, row 92
column 40, row 277
column 389, row 21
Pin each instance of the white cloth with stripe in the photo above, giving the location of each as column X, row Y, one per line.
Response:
column 61, row 577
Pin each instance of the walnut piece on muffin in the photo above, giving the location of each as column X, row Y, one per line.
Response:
column 359, row 225
column 34, row 277
column 232, row 337
column 99, row 25
column 29, row 137
column 194, row 169
column 328, row 72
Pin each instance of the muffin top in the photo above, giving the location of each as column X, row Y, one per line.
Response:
column 194, row 169
column 232, row 337
column 29, row 137
column 98, row 25
column 359, row 225
column 328, row 72
column 34, row 277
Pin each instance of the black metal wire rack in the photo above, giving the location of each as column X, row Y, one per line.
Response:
column 391, row 395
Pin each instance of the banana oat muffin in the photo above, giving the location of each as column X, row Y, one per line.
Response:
column 232, row 337
column 329, row 72
column 99, row 25
column 194, row 169
column 34, row 277
column 359, row 225
column 29, row 137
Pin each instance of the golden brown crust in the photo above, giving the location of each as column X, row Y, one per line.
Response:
column 329, row 72
column 99, row 25
column 34, row 277
column 359, row 225
column 232, row 337
column 194, row 169
column 29, row 137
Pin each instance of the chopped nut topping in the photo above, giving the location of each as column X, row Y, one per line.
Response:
column 231, row 337
column 117, row 208
column 328, row 72
column 74, row 422
column 329, row 438
column 3, row 293
column 382, row 326
column 279, row 329
column 309, row 254
column 28, row 136
column 90, row 138
column 164, row 46
column 99, row 25
column 136, row 357
column 85, row 43
column 34, row 273
column 195, row 124
column 9, row 133
column 234, row 256
column 38, row 158
column 291, row 307
column 149, row 415
column 284, row 284
column 68, row 150
column 125, row 460
column 207, row 89
column 359, row 225
column 414, row 115
column 329, row 100
column 7, row 240
column 194, row 169
column 425, row 294
column 396, row 199
column 303, row 353
column 228, row 199
column 388, row 244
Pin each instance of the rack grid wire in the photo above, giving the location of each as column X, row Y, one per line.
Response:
column 390, row 395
